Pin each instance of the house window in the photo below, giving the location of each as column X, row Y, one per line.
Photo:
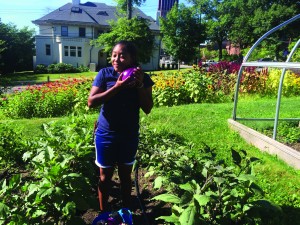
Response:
column 100, row 32
column 78, row 51
column 66, row 48
column 73, row 51
column 48, row 50
column 64, row 31
column 81, row 32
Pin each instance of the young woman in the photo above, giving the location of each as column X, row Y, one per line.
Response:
column 117, row 133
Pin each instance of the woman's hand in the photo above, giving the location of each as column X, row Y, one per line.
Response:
column 139, row 77
column 127, row 83
column 137, row 81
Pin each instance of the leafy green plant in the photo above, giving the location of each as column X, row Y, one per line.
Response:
column 58, row 178
column 41, row 68
column 288, row 132
column 180, row 88
column 60, row 68
column 291, row 83
column 220, row 194
column 11, row 149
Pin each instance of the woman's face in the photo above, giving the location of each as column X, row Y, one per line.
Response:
column 120, row 59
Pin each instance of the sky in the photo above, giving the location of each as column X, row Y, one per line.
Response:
column 22, row 12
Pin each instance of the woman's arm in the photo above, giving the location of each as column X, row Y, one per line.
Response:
column 145, row 94
column 145, row 99
column 98, row 96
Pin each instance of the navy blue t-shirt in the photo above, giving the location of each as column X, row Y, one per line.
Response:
column 121, row 112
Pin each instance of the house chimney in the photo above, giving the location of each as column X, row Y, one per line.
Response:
column 75, row 2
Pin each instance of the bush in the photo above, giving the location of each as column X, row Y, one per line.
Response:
column 291, row 83
column 58, row 177
column 218, row 84
column 41, row 69
column 60, row 68
column 82, row 69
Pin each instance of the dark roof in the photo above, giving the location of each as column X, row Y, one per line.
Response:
column 89, row 13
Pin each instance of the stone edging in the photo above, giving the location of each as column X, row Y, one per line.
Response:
column 264, row 143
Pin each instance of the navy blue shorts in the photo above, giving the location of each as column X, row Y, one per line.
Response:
column 115, row 148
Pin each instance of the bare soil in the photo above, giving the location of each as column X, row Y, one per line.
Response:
column 144, row 209
column 295, row 146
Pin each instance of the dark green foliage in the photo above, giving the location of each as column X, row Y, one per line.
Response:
column 16, row 47
column 58, row 179
column 40, row 69
column 136, row 30
column 202, row 189
column 60, row 68
column 182, row 33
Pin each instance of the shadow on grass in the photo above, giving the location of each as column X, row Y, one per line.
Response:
column 291, row 215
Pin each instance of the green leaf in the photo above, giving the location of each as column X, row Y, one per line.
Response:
column 4, row 210
column 236, row 157
column 170, row 219
column 38, row 213
column 246, row 177
column 253, row 159
column 246, row 208
column 55, row 170
column 69, row 209
column 202, row 199
column 187, row 187
column 72, row 175
column 254, row 187
column 204, row 172
column 149, row 174
column 188, row 216
column 219, row 180
column 168, row 198
column 26, row 156
column 158, row 182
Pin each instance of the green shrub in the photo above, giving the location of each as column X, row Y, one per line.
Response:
column 82, row 69
column 291, row 83
column 58, row 179
column 179, row 88
column 60, row 68
column 41, row 69
column 202, row 189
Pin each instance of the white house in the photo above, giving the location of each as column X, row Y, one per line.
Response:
column 65, row 35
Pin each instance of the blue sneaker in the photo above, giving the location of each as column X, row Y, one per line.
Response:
column 123, row 216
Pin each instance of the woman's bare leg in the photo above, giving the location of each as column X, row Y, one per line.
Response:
column 104, row 187
column 124, row 172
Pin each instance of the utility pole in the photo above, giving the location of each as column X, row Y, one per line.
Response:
column 129, row 9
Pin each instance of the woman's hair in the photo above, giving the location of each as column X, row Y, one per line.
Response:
column 131, row 49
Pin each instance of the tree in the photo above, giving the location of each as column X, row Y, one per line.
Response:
column 252, row 19
column 244, row 21
column 126, row 6
column 182, row 33
column 136, row 30
column 266, row 19
column 17, row 48
column 216, row 20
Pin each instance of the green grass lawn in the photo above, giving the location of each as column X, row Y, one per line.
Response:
column 29, row 76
